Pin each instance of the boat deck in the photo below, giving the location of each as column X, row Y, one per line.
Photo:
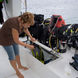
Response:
column 60, row 66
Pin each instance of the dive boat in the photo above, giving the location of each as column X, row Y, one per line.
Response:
column 58, row 68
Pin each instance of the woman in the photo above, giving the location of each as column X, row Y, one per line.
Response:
column 9, row 38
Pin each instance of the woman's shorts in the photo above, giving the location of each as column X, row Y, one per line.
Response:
column 12, row 51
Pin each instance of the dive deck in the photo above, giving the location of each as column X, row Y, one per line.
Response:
column 58, row 68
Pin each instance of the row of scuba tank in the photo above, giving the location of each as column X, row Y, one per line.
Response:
column 55, row 26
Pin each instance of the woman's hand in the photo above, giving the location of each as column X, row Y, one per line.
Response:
column 28, row 33
column 31, row 47
column 32, row 39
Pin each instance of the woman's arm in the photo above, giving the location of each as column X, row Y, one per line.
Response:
column 28, row 33
column 15, row 35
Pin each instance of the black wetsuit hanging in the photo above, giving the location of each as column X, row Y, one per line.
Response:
column 1, row 14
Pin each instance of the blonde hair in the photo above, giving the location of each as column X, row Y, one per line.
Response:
column 27, row 17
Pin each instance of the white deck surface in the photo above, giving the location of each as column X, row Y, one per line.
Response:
column 36, row 68
column 60, row 67
column 6, row 71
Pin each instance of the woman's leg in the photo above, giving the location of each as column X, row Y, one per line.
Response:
column 13, row 63
column 16, row 50
column 11, row 55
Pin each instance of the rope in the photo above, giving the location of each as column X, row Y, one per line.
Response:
column 6, row 9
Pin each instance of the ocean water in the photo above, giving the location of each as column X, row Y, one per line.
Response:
column 67, row 8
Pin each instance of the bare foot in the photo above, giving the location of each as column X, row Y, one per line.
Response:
column 19, row 75
column 22, row 67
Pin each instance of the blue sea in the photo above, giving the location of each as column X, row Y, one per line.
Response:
column 67, row 8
